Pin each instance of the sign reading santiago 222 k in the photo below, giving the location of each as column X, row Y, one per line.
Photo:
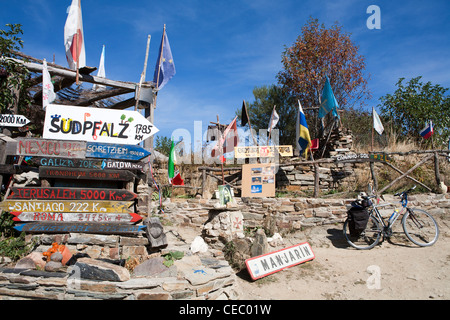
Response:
column 96, row 125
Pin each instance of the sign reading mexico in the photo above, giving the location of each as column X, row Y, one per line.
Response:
column 96, row 125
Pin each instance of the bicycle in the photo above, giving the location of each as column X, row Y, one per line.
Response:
column 418, row 225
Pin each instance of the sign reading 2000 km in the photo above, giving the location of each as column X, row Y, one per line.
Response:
column 96, row 125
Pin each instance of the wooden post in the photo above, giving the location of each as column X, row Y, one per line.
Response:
column 143, row 73
column 436, row 169
column 316, row 180
column 203, row 183
column 374, row 177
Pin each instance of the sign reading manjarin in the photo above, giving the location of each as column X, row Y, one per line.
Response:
column 96, row 125
column 272, row 262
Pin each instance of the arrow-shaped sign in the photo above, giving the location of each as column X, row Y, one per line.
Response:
column 81, row 227
column 86, row 206
column 115, row 151
column 49, row 193
column 13, row 120
column 76, row 217
column 96, row 125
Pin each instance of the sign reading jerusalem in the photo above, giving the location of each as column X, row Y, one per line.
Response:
column 96, row 125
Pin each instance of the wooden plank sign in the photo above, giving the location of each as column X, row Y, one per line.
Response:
column 82, row 227
column 85, row 163
column 112, row 151
column 44, row 193
column 66, row 206
column 13, row 120
column 96, row 125
column 77, row 217
column 51, row 148
column 272, row 262
column 85, row 174
column 262, row 151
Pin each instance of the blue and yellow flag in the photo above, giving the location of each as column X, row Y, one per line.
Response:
column 329, row 102
column 165, row 67
column 303, row 138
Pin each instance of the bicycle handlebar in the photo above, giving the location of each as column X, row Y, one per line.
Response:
column 404, row 192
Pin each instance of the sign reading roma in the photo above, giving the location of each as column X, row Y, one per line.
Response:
column 96, row 125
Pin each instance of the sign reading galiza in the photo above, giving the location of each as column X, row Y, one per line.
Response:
column 96, row 125
column 272, row 262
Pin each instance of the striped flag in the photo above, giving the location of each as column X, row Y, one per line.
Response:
column 228, row 141
column 427, row 131
column 303, row 137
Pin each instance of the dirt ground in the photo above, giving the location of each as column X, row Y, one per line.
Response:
column 395, row 269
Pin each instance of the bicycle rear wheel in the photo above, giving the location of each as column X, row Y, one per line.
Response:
column 368, row 238
column 420, row 227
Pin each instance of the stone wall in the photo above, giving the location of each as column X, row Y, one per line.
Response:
column 287, row 214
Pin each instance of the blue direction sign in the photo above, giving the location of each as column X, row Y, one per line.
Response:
column 115, row 151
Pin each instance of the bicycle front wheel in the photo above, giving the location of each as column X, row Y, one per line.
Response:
column 368, row 238
column 420, row 227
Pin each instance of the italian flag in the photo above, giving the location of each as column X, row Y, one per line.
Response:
column 174, row 176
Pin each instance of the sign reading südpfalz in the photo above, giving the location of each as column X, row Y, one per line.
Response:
column 96, row 125
column 272, row 262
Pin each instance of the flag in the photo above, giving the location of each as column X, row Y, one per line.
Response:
column 48, row 93
column 329, row 102
column 165, row 67
column 377, row 125
column 303, row 138
column 273, row 119
column 229, row 139
column 244, row 118
column 101, row 72
column 74, row 38
column 174, row 175
column 427, row 131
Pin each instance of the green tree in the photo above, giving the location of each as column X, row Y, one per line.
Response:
column 259, row 111
column 319, row 52
column 14, row 97
column 415, row 103
column 163, row 144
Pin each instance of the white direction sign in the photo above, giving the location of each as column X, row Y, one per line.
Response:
column 96, row 125
column 272, row 262
column 13, row 120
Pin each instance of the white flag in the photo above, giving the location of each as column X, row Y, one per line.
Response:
column 273, row 119
column 377, row 125
column 74, row 37
column 48, row 93
column 101, row 72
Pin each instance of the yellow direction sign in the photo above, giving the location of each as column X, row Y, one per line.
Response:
column 66, row 206
column 262, row 151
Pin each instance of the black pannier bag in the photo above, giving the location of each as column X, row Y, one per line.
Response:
column 358, row 216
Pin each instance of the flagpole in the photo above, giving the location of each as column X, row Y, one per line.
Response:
column 143, row 73
column 270, row 124
column 221, row 152
column 76, row 44
column 249, row 125
column 160, row 56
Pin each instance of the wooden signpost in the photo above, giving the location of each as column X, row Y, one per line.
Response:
column 114, row 151
column 51, row 148
column 13, row 120
column 85, row 174
column 80, row 227
column 76, row 217
column 262, row 151
column 272, row 262
column 66, row 206
column 43, row 193
column 96, row 125
column 85, row 163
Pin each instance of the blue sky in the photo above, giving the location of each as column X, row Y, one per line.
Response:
column 223, row 49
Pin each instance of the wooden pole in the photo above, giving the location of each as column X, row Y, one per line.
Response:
column 249, row 125
column 160, row 57
column 270, row 124
column 221, row 152
column 143, row 73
